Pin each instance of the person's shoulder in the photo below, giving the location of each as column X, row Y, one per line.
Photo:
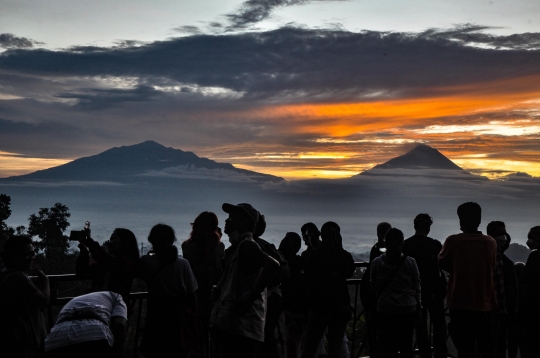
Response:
column 534, row 256
column 435, row 244
column 377, row 260
column 181, row 261
column 250, row 245
column 410, row 261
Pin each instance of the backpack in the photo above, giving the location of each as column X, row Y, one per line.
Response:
column 270, row 250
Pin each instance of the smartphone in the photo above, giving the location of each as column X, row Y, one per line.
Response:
column 77, row 235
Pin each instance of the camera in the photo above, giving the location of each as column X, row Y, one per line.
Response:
column 80, row 235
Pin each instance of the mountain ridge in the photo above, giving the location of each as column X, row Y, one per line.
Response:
column 420, row 157
column 133, row 160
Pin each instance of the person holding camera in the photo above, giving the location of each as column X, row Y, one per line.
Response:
column 114, row 264
column 24, row 291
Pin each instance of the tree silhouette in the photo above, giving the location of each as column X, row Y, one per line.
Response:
column 5, row 212
column 49, row 225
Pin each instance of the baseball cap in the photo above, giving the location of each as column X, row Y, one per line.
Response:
column 243, row 208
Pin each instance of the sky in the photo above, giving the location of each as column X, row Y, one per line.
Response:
column 295, row 88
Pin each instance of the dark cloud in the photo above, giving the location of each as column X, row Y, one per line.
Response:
column 97, row 99
column 253, row 11
column 12, row 41
column 188, row 29
column 472, row 34
column 292, row 63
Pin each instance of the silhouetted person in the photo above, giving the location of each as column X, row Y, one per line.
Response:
column 311, row 236
column 327, row 269
column 375, row 252
column 425, row 251
column 530, row 304
column 88, row 326
column 274, row 304
column 238, row 316
column 171, row 296
column 497, row 230
column 204, row 251
column 470, row 258
column 517, row 331
column 114, row 264
column 366, row 294
column 396, row 281
column 24, row 291
column 292, row 289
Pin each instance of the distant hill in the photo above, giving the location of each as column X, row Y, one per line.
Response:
column 517, row 252
column 145, row 158
column 420, row 157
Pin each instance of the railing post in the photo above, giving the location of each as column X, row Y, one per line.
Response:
column 137, row 328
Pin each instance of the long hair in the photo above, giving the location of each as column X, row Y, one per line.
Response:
column 204, row 232
column 130, row 247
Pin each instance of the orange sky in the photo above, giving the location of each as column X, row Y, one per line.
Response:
column 485, row 127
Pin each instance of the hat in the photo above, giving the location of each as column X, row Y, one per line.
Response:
column 243, row 208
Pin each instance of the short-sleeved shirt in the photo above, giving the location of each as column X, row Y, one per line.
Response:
column 20, row 319
column 68, row 330
column 470, row 258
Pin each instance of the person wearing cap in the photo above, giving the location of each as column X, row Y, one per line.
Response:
column 425, row 251
column 238, row 316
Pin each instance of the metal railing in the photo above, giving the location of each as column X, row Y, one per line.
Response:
column 358, row 332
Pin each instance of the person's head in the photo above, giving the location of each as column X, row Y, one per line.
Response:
column 204, row 231
column 290, row 244
column 18, row 252
column 260, row 228
column 124, row 243
column 331, row 235
column 161, row 237
column 470, row 216
column 497, row 230
column 310, row 234
column 242, row 218
column 393, row 240
column 206, row 221
column 533, row 238
column 422, row 223
column 382, row 228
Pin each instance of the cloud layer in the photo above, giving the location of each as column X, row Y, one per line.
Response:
column 293, row 101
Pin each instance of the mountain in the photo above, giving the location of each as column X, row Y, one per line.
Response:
column 420, row 157
column 518, row 253
column 144, row 159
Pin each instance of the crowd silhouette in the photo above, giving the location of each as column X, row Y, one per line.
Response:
column 229, row 303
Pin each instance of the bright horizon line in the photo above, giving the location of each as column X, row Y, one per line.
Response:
column 14, row 164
